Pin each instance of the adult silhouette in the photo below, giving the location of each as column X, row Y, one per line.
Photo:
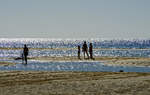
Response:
column 25, row 53
column 91, row 51
column 78, row 52
column 85, row 49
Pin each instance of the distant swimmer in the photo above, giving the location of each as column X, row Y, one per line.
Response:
column 85, row 49
column 78, row 52
column 91, row 51
column 25, row 53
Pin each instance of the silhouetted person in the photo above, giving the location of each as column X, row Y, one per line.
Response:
column 85, row 49
column 78, row 52
column 91, row 51
column 25, row 52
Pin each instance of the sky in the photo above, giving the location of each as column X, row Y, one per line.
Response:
column 75, row 19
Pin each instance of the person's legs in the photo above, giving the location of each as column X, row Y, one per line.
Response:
column 87, row 54
column 78, row 55
column 84, row 54
column 26, row 59
column 91, row 55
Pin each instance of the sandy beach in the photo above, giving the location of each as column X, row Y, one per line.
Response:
column 74, row 83
column 108, row 60
column 123, row 61
column 77, row 83
column 75, row 47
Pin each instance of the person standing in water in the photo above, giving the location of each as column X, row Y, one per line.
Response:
column 91, row 51
column 85, row 49
column 25, row 52
column 78, row 52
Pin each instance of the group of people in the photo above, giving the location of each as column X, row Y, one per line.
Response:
column 85, row 50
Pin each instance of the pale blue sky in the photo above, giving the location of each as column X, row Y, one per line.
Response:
column 75, row 18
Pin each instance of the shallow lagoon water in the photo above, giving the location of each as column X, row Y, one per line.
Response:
column 72, row 66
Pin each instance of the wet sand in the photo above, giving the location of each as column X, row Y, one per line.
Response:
column 73, row 83
column 6, row 63
column 123, row 61
column 77, row 83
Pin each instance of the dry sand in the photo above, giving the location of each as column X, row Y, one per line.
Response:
column 73, row 83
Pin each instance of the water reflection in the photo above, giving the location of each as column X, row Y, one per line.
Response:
column 72, row 66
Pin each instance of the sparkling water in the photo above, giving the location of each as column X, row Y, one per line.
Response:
column 50, row 47
column 131, row 48
column 72, row 66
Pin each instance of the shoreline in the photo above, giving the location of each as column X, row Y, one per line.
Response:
column 123, row 61
column 117, row 61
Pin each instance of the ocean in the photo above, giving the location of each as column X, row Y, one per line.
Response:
column 11, row 48
column 50, row 47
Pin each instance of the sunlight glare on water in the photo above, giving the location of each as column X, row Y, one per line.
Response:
column 73, row 66
column 72, row 44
